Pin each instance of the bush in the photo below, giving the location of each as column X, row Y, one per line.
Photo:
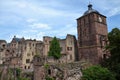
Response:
column 97, row 73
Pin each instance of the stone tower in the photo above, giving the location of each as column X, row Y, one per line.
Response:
column 92, row 36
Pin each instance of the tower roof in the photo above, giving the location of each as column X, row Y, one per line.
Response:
column 90, row 10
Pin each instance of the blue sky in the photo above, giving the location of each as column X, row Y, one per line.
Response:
column 37, row 18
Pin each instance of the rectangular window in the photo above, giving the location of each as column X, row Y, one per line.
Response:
column 25, row 67
column 28, row 54
column 69, row 48
column 30, row 44
column 28, row 67
column 27, row 60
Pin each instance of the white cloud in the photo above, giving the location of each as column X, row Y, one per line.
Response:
column 69, row 29
column 113, row 12
column 39, row 26
column 29, row 31
column 37, row 18
column 30, row 20
column 62, row 32
column 110, row 8
column 22, row 5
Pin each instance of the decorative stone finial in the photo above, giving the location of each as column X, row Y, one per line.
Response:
column 90, row 6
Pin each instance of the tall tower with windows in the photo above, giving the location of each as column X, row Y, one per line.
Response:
column 92, row 36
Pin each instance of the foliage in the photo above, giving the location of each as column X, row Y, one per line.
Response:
column 113, row 62
column 97, row 73
column 46, row 66
column 10, row 73
column 54, row 49
column 18, row 72
column 114, row 44
column 49, row 78
column 22, row 78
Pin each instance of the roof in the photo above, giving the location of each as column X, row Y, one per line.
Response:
column 90, row 10
column 17, row 39
column 2, row 41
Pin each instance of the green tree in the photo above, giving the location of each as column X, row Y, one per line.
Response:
column 49, row 78
column 18, row 72
column 97, row 73
column 55, row 49
column 113, row 62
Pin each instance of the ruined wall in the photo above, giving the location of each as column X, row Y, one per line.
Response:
column 59, row 71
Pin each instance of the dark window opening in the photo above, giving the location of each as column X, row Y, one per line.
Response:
column 25, row 67
column 3, row 45
column 27, row 60
column 104, row 56
column 28, row 67
column 38, row 59
column 49, row 71
column 69, row 48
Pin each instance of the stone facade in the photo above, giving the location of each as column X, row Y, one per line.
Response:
column 33, row 55
column 43, row 68
column 3, row 46
column 20, row 52
column 68, row 47
column 92, row 36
